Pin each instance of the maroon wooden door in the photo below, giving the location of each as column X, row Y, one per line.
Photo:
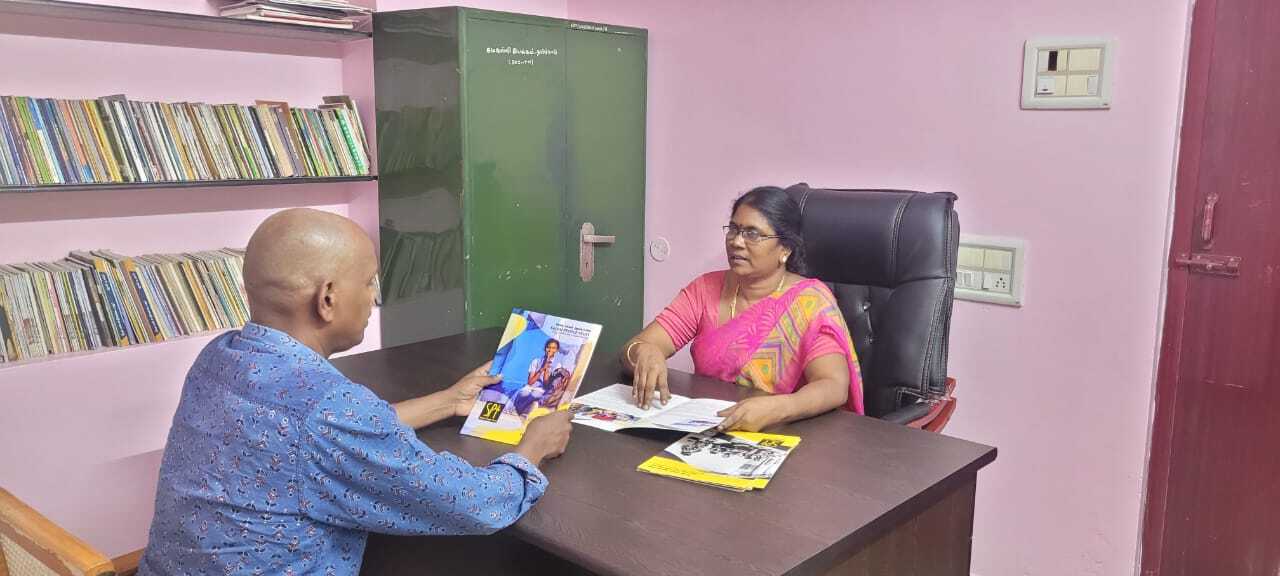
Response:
column 1213, row 503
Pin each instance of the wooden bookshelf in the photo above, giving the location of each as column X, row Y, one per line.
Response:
column 59, row 9
column 184, row 184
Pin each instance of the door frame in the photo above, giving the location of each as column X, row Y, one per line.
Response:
column 1199, row 52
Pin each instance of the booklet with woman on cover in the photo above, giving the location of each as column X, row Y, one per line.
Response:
column 542, row 360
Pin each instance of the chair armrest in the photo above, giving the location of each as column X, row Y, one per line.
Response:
column 49, row 543
column 940, row 410
column 939, row 420
column 127, row 565
column 931, row 415
column 908, row 414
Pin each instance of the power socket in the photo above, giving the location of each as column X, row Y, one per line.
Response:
column 996, row 282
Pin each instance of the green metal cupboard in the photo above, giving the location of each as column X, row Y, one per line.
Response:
column 511, row 161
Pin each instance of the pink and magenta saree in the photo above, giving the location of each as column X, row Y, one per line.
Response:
column 768, row 345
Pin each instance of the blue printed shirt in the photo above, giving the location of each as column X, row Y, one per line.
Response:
column 276, row 463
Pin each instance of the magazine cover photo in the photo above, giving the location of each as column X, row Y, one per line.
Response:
column 541, row 359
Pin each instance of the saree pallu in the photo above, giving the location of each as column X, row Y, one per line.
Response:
column 769, row 345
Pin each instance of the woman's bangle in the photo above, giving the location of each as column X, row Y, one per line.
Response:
column 627, row 353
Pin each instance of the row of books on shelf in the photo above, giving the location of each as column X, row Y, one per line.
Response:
column 47, row 141
column 99, row 299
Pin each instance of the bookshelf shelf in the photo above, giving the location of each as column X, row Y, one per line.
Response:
column 185, row 184
column 59, row 9
column 203, row 337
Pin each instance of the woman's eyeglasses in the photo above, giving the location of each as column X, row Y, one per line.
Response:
column 751, row 235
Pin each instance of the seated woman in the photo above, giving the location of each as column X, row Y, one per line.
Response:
column 759, row 324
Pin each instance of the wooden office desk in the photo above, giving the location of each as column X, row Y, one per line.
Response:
column 858, row 496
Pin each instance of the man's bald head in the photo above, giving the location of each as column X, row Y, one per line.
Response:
column 297, row 258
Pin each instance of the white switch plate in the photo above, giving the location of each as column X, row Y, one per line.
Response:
column 991, row 269
column 1082, row 78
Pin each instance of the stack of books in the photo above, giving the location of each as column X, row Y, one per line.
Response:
column 737, row 461
column 98, row 299
column 339, row 14
column 46, row 141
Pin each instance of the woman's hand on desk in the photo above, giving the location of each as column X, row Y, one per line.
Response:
column 754, row 414
column 828, row 389
column 650, row 381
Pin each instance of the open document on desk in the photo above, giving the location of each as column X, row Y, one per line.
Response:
column 612, row 409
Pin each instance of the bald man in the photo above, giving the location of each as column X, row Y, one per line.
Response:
column 278, row 464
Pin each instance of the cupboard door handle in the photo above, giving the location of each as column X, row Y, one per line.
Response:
column 587, row 240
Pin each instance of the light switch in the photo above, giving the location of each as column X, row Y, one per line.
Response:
column 1092, row 88
column 997, row 259
column 1085, row 59
column 971, row 257
column 1045, row 85
column 1077, row 85
column 969, row 279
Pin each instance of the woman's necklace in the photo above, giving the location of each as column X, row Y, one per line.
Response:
column 733, row 306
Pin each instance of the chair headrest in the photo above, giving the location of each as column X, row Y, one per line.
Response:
column 877, row 237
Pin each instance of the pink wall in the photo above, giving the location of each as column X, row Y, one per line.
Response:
column 924, row 94
column 56, row 67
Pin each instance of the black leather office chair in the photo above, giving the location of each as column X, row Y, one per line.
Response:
column 890, row 258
